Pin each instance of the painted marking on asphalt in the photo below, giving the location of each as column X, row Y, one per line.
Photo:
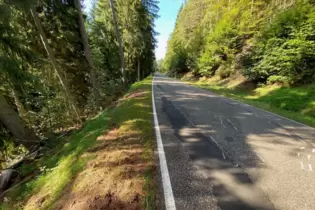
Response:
column 294, row 135
column 223, row 155
column 309, row 157
column 213, row 139
column 222, row 122
column 311, row 142
column 298, row 154
column 232, row 124
column 273, row 114
column 260, row 158
column 302, row 148
column 166, row 182
column 309, row 169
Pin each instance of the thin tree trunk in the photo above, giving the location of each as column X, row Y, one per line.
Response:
column 53, row 61
column 121, row 51
column 16, row 95
column 139, row 73
column 88, row 55
column 12, row 121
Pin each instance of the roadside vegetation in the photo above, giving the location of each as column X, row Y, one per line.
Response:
column 260, row 52
column 108, row 164
column 62, row 70
column 297, row 103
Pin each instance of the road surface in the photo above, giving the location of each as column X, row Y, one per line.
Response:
column 223, row 154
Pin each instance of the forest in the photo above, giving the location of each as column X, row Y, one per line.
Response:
column 260, row 52
column 266, row 40
column 59, row 68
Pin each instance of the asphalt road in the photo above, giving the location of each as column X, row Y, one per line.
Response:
column 223, row 154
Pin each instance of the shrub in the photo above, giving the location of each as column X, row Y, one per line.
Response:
column 224, row 71
column 277, row 79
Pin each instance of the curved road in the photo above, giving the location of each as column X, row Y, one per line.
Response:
column 223, row 154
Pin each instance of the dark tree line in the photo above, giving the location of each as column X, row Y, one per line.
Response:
column 57, row 68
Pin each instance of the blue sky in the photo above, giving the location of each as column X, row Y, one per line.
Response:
column 164, row 25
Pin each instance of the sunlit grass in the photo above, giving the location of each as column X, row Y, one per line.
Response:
column 133, row 117
column 297, row 103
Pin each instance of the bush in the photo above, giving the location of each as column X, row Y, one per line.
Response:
column 277, row 79
column 224, row 71
column 286, row 49
column 295, row 60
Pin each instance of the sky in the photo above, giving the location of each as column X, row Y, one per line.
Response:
column 164, row 25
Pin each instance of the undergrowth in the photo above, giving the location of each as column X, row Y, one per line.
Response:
column 60, row 166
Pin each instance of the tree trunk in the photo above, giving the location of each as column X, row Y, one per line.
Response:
column 16, row 95
column 53, row 61
column 121, row 51
column 88, row 55
column 139, row 73
column 12, row 121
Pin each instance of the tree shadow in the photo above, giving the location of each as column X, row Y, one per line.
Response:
column 236, row 146
column 62, row 168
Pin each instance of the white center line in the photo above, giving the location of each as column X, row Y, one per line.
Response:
column 166, row 182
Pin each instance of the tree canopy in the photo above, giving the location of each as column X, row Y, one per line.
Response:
column 58, row 67
column 267, row 41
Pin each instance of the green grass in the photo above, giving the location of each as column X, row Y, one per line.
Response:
column 59, row 167
column 135, row 114
column 296, row 103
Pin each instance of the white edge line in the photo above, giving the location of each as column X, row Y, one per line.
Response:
column 166, row 182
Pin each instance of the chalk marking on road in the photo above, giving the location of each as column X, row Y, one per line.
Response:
column 232, row 124
column 266, row 116
column 244, row 104
column 309, row 141
column 298, row 154
column 304, row 142
column 222, row 122
column 294, row 136
column 309, row 157
column 302, row 148
column 304, row 168
column 213, row 139
column 166, row 182
column 260, row 158
column 223, row 155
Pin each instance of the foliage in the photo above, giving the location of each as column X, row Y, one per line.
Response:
column 262, row 38
column 62, row 165
column 28, row 76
